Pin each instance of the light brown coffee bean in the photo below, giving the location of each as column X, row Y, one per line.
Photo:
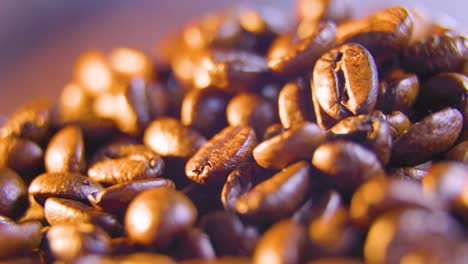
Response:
column 66, row 151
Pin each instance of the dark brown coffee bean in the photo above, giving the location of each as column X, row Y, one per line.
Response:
column 31, row 121
column 194, row 244
column 345, row 82
column 221, row 154
column 230, row 237
column 159, row 103
column 423, row 235
column 116, row 198
column 371, row 132
column 22, row 155
column 128, row 63
column 336, row 261
column 133, row 258
column 240, row 181
column 62, row 185
column 65, row 151
column 94, row 128
column 294, row 104
column 313, row 10
column 63, row 211
column 294, row 144
column 13, row 194
column 445, row 52
column 381, row 194
column 223, row 260
column 30, row 258
column 398, row 121
column 205, row 110
column 66, row 242
column 432, row 135
column 273, row 130
column 459, row 152
column 168, row 137
column 397, row 91
column 123, row 148
column 248, row 109
column 277, row 197
column 19, row 239
column 157, row 216
column 346, row 164
column 412, row 173
column 292, row 55
column 284, row 242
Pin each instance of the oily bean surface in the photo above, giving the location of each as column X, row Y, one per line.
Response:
column 13, row 194
column 65, row 151
column 294, row 104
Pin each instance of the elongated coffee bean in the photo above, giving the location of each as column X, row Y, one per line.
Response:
column 221, row 154
column 294, row 104
column 19, row 154
column 65, row 151
column 18, row 239
column 13, row 194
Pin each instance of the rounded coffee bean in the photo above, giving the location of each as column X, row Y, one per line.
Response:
column 346, row 164
column 459, row 152
column 157, row 216
column 345, row 81
column 194, row 244
column 284, row 243
column 13, row 194
column 65, row 151
column 273, row 130
column 19, row 239
column 116, row 198
column 398, row 91
column 297, row 143
column 294, row 104
column 398, row 121
column 432, row 135
column 277, row 197
column 21, row 155
column 222, row 153
column 62, row 185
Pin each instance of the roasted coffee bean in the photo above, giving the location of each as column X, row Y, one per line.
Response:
column 128, row 63
column 230, row 237
column 444, row 52
column 335, row 10
column 381, row 194
column 336, row 261
column 31, row 258
column 63, row 211
column 412, row 173
column 294, row 144
column 123, row 148
column 346, row 164
column 423, row 235
column 273, row 130
column 157, row 216
column 169, row 138
column 35, row 212
column 294, row 104
column 277, row 197
column 116, row 198
column 284, row 242
column 240, row 181
column 398, row 121
column 223, row 260
column 134, row 258
column 94, row 128
column 123, row 245
column 19, row 239
column 158, row 100
column 222, row 153
column 204, row 197
column 13, row 194
column 205, row 110
column 66, row 242
column 31, row 121
column 248, row 109
column 62, row 185
column 293, row 55
column 21, row 155
column 371, row 132
column 65, row 151
column 194, row 244
column 459, row 152
column 345, row 82
column 432, row 135
column 397, row 91
column 383, row 33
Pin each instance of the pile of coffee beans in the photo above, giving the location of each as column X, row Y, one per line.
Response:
column 261, row 138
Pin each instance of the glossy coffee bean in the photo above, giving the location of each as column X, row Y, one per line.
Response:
column 157, row 216
column 292, row 55
column 21, row 155
column 65, row 151
column 133, row 258
column 369, row 131
column 296, row 143
column 62, row 185
column 194, row 244
column 116, row 198
column 273, row 130
column 248, row 109
column 284, row 242
column 432, row 135
column 294, row 104
column 205, row 110
column 277, row 197
column 398, row 121
column 345, row 82
column 19, row 239
column 459, row 152
column 346, row 164
column 222, row 153
column 63, row 211
column 66, row 242
column 13, row 194
column 170, row 138
column 397, row 91
column 412, row 173
column 230, row 237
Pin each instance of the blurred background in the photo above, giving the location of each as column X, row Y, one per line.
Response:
column 40, row 40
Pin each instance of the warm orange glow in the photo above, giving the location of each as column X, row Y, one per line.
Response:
column 93, row 73
column 306, row 28
column 311, row 9
column 131, row 63
column 193, row 37
column 368, row 194
column 412, row 258
column 251, row 21
column 72, row 96
column 379, row 237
